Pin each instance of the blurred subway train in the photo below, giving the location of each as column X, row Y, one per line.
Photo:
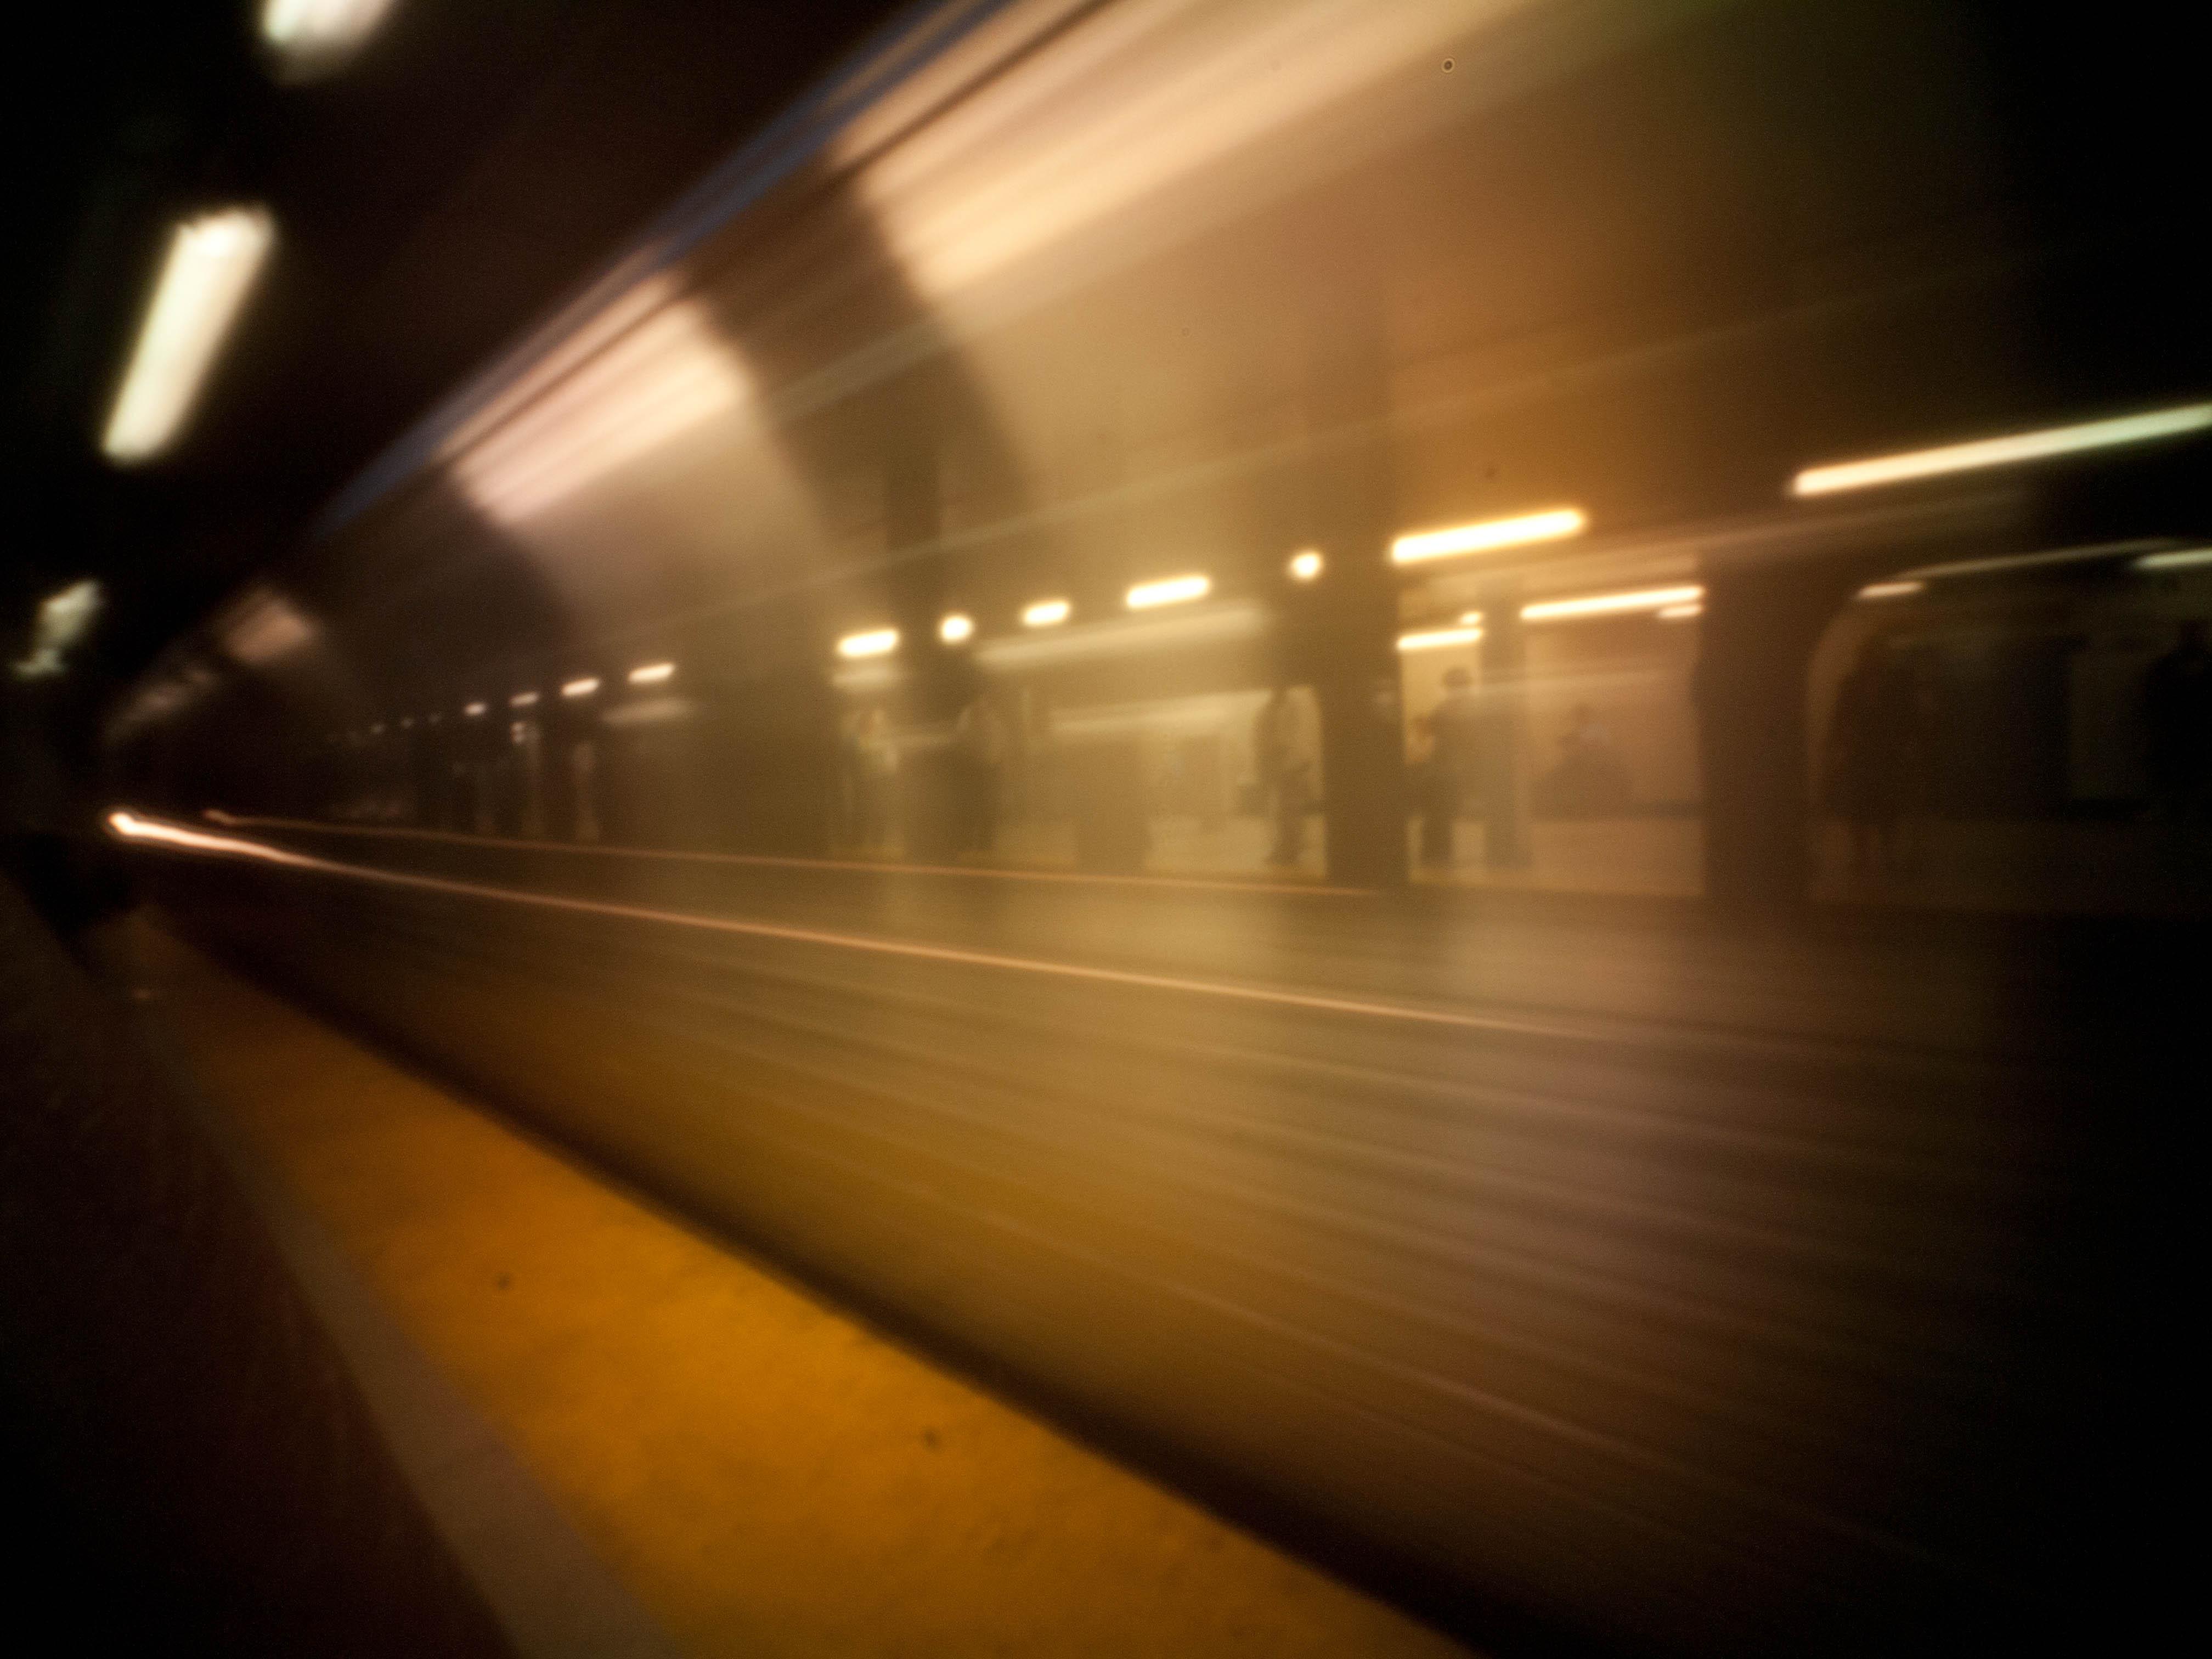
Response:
column 1422, row 756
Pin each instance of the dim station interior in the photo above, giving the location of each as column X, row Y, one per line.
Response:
column 1056, row 827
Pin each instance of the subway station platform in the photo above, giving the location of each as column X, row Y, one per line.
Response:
column 636, row 1440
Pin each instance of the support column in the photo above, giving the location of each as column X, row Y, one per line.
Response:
column 1756, row 637
column 1346, row 639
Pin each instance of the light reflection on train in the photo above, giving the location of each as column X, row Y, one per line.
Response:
column 1308, row 450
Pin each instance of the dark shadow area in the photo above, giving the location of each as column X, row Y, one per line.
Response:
column 192, row 1470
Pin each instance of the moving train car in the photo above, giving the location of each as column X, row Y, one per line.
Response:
column 961, row 709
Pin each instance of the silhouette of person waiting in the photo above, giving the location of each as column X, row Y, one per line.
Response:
column 1455, row 730
column 1875, row 753
column 979, row 739
column 1285, row 755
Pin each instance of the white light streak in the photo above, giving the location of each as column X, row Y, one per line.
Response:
column 1305, row 565
column 581, row 687
column 1891, row 590
column 475, row 710
column 2012, row 450
column 653, row 673
column 957, row 629
column 1489, row 535
column 211, row 265
column 1173, row 590
column 1613, row 605
column 1046, row 613
column 2189, row 559
column 875, row 642
column 522, row 700
column 1681, row 612
column 1437, row 639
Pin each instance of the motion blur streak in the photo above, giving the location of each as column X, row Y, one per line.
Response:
column 678, row 855
column 1612, row 604
column 1111, row 114
column 662, row 375
column 2008, row 451
column 137, row 826
column 211, row 265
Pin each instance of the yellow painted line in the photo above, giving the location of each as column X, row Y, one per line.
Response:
column 764, row 1475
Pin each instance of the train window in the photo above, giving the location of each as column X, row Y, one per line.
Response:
column 1551, row 738
column 2022, row 733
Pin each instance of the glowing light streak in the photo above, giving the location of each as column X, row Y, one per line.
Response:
column 1487, row 536
column 1891, row 590
column 581, row 687
column 957, row 629
column 1613, row 605
column 1305, row 565
column 653, row 673
column 2012, row 450
column 1173, row 590
column 1046, row 613
column 2190, row 559
column 1437, row 639
column 875, row 642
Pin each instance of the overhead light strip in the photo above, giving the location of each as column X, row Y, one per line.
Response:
column 211, row 263
column 2012, row 450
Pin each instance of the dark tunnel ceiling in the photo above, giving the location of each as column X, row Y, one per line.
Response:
column 460, row 173
column 476, row 159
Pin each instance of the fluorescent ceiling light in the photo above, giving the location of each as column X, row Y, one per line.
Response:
column 2008, row 451
column 876, row 642
column 1437, row 638
column 581, row 687
column 1891, row 590
column 1488, row 535
column 1175, row 590
column 474, row 709
column 522, row 700
column 211, row 263
column 310, row 34
column 1045, row 613
column 2190, row 559
column 653, row 673
column 956, row 628
column 64, row 617
column 1305, row 565
column 1613, row 605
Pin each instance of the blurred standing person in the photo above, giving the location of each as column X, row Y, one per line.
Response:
column 875, row 770
column 979, row 738
column 1456, row 748
column 1876, row 745
column 1285, row 755
column 2178, row 724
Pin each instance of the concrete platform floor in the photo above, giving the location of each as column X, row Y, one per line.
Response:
column 750, row 1471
